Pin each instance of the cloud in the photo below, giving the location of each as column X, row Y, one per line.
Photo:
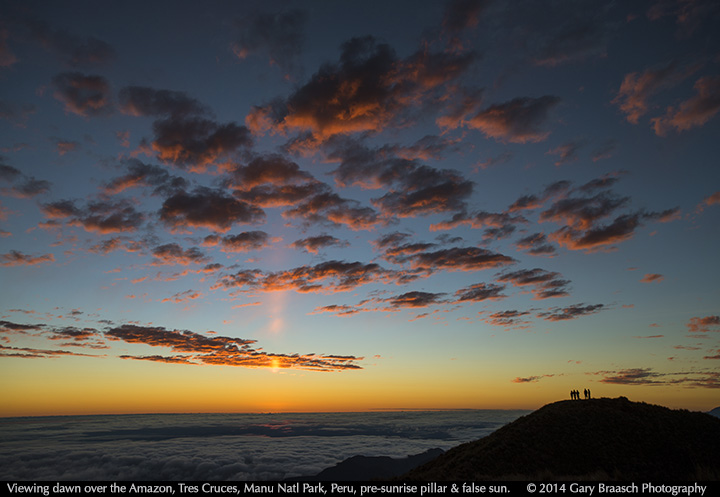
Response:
column 652, row 278
column 101, row 216
column 536, row 244
column 87, row 96
column 22, row 186
column 604, row 150
column 326, row 207
column 16, row 258
column 197, row 142
column 278, row 36
column 270, row 169
column 636, row 89
column 145, row 101
column 480, row 292
column 711, row 200
column 242, row 242
column 689, row 15
column 503, row 223
column 222, row 351
column 704, row 324
column 451, row 259
column 508, row 319
column 649, row 377
column 567, row 152
column 172, row 253
column 182, row 297
column 207, row 208
column 188, row 347
column 695, row 111
column 413, row 188
column 368, row 89
column 519, row 120
column 531, row 379
column 65, row 146
column 327, row 277
column 571, row 312
column 142, row 175
column 545, row 284
column 314, row 244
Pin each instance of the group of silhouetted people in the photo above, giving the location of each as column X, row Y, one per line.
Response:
column 575, row 394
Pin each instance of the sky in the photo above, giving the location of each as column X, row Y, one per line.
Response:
column 351, row 206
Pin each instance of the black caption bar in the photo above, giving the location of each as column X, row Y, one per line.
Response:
column 359, row 489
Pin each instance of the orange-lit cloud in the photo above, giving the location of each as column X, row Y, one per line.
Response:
column 704, row 324
column 16, row 258
column 693, row 112
column 652, row 278
column 85, row 95
column 543, row 284
column 519, row 120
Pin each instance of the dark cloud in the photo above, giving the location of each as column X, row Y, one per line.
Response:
column 509, row 319
column 454, row 259
column 368, row 89
column 571, row 312
column 242, row 242
column 279, row 36
column 413, row 188
column 101, row 216
column 583, row 212
column 145, row 101
column 695, row 111
column 480, row 292
column 517, row 121
column 197, row 142
column 22, row 186
column 544, row 284
column 327, row 277
column 536, row 244
column 414, row 299
column 501, row 223
column 140, row 174
column 84, row 95
column 272, row 169
column 172, row 253
column 649, row 377
column 689, row 14
column 326, row 207
column 16, row 258
column 224, row 351
column 207, row 208
column 314, row 244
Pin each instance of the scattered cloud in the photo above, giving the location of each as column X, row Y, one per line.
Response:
column 84, row 95
column 570, row 312
column 16, row 258
column 652, row 278
column 695, row 111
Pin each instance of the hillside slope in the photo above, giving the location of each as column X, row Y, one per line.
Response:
column 598, row 439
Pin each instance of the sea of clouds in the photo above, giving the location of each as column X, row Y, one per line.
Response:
column 224, row 446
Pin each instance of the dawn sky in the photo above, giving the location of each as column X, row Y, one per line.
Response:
column 340, row 206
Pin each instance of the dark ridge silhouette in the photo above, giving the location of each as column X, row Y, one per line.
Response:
column 365, row 468
column 715, row 412
column 595, row 439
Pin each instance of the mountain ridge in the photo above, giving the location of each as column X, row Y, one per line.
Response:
column 595, row 439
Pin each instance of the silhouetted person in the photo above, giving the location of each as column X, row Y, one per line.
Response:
column 586, row 393
column 589, row 396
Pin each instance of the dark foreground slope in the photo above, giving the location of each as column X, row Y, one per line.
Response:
column 598, row 439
